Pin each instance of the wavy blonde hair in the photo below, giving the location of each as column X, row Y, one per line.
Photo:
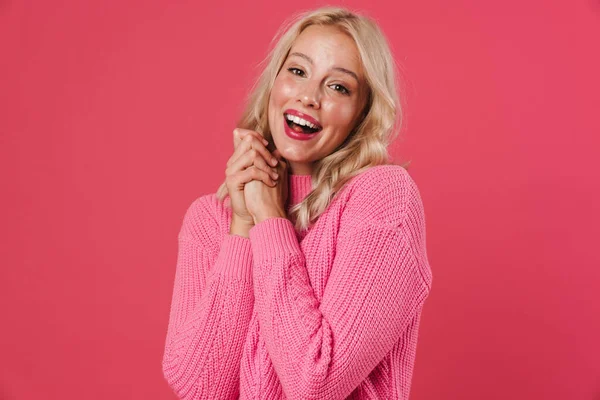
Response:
column 367, row 143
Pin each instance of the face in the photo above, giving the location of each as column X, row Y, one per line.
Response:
column 318, row 97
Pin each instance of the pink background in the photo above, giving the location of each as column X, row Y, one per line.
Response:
column 115, row 116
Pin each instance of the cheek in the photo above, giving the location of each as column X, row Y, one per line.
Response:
column 283, row 90
column 340, row 115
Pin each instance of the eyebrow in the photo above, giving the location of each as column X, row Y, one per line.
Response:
column 340, row 69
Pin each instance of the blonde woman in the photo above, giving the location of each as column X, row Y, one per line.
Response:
column 305, row 275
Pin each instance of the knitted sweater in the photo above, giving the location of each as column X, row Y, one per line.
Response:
column 331, row 312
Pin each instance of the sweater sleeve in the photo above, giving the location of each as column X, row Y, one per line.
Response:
column 211, row 307
column 377, row 285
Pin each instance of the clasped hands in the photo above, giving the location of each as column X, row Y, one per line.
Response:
column 257, row 180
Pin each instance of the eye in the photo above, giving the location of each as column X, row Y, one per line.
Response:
column 296, row 71
column 339, row 88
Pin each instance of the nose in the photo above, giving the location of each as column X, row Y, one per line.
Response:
column 310, row 96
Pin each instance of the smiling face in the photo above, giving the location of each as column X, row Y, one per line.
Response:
column 317, row 98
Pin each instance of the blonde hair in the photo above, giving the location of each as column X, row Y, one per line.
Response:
column 367, row 143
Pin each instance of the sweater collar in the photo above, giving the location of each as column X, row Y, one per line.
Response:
column 299, row 187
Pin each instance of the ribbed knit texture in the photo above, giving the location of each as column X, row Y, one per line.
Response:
column 332, row 312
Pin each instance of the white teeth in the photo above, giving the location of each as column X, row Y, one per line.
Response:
column 300, row 121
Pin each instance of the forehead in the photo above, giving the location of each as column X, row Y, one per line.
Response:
column 328, row 46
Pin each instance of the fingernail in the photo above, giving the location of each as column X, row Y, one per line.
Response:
column 265, row 142
column 275, row 175
column 274, row 161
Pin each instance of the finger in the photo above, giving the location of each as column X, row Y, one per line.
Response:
column 240, row 133
column 259, row 143
column 243, row 145
column 249, row 159
column 254, row 174
column 250, row 141
column 247, row 143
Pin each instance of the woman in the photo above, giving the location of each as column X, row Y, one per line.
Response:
column 304, row 277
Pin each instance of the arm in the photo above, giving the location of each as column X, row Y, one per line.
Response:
column 376, row 286
column 210, row 310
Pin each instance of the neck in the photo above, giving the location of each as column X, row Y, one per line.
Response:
column 298, row 168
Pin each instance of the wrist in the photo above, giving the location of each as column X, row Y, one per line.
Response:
column 269, row 214
column 240, row 226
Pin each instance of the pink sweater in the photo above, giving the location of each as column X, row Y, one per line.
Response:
column 328, row 313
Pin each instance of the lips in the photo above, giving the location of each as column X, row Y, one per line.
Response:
column 305, row 117
column 297, row 135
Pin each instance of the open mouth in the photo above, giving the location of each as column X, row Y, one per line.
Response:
column 301, row 125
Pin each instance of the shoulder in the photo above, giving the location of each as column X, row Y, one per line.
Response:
column 386, row 197
column 204, row 220
column 384, row 194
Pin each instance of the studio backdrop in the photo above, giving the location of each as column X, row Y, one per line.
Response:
column 116, row 115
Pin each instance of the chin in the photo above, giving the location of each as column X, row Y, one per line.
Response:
column 291, row 153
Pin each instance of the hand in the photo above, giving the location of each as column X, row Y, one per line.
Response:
column 248, row 162
column 265, row 201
